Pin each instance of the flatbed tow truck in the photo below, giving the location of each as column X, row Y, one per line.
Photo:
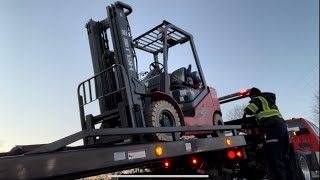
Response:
column 146, row 123
column 235, row 156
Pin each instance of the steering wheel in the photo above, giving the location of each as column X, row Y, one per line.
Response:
column 154, row 65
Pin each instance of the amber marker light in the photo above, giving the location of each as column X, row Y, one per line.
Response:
column 228, row 142
column 294, row 133
column 158, row 150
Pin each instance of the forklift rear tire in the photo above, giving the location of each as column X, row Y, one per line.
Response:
column 161, row 114
column 217, row 120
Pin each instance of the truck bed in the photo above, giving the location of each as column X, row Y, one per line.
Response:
column 51, row 161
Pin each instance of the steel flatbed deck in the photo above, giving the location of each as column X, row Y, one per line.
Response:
column 49, row 161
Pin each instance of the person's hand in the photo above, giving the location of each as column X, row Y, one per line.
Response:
column 244, row 120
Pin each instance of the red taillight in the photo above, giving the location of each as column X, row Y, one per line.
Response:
column 194, row 161
column 231, row 155
column 166, row 164
column 239, row 154
column 243, row 91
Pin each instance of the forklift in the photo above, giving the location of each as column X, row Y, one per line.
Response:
column 160, row 99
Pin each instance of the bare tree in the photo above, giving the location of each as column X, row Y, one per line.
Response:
column 235, row 113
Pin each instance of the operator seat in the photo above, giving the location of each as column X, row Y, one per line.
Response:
column 181, row 78
column 181, row 86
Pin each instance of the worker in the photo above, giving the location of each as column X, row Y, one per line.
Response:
column 263, row 107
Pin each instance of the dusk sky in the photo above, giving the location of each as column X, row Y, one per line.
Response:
column 45, row 54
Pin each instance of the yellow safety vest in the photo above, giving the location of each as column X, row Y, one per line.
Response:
column 266, row 111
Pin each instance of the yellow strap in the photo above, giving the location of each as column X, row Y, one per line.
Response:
column 269, row 113
column 265, row 105
column 253, row 108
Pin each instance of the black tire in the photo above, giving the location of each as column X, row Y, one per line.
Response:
column 303, row 166
column 217, row 120
column 161, row 114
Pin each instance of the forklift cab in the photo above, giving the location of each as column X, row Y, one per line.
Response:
column 184, row 84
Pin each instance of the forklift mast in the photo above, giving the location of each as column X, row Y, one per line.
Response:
column 115, row 83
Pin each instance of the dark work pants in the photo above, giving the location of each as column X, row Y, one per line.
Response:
column 277, row 153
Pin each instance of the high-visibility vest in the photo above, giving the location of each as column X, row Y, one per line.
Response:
column 266, row 110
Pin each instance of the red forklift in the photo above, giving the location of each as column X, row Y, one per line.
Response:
column 160, row 99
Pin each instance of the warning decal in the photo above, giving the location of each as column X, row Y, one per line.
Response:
column 188, row 147
column 118, row 156
column 135, row 154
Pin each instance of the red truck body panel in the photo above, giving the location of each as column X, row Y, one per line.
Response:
column 307, row 135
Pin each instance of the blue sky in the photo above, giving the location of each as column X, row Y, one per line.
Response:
column 44, row 55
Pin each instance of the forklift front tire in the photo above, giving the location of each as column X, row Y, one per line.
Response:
column 161, row 114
